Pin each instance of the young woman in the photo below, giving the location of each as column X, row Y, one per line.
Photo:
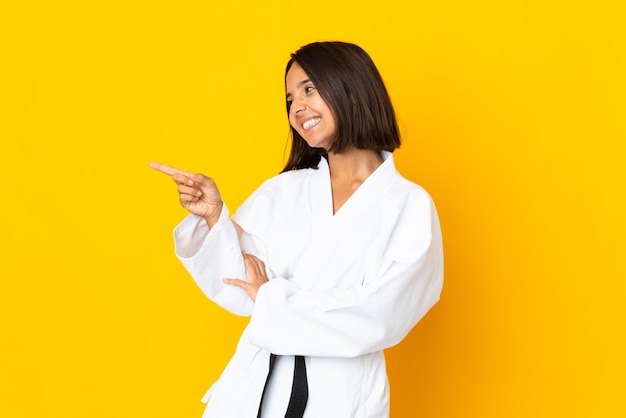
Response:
column 334, row 260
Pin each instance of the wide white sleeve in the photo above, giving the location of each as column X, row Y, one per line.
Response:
column 349, row 322
column 212, row 255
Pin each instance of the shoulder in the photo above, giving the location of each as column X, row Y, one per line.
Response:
column 410, row 192
column 275, row 196
column 413, row 206
column 291, row 177
column 286, row 183
column 398, row 186
column 414, row 220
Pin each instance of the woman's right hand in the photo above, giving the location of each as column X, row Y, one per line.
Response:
column 198, row 193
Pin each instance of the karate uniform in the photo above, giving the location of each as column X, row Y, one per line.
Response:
column 341, row 288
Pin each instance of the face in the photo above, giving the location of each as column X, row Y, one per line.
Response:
column 309, row 114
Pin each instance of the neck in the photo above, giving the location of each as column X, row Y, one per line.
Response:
column 353, row 164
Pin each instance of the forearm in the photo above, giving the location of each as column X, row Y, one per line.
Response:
column 345, row 322
column 210, row 255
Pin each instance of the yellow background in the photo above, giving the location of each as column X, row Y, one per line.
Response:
column 513, row 115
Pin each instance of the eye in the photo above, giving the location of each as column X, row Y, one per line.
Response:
column 289, row 102
column 309, row 89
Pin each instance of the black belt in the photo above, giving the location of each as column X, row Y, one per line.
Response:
column 299, row 388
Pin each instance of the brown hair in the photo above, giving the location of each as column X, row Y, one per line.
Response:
column 350, row 84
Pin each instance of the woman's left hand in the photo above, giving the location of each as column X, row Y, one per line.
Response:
column 255, row 270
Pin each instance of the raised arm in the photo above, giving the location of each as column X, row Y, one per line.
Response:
column 197, row 193
column 208, row 257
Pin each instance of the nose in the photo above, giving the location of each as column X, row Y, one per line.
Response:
column 297, row 105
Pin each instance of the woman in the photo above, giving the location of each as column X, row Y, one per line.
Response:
column 334, row 260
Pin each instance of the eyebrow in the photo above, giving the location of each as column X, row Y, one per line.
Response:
column 300, row 84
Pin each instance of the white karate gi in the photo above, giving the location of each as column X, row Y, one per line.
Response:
column 342, row 288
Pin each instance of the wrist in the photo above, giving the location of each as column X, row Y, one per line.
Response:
column 214, row 215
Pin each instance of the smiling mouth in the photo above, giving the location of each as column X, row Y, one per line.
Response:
column 311, row 122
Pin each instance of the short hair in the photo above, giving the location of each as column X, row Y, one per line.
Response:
column 350, row 84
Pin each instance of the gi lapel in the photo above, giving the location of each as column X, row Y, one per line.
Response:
column 328, row 229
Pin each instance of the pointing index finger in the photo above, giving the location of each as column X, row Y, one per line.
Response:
column 166, row 169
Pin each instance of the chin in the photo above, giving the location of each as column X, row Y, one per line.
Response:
column 316, row 144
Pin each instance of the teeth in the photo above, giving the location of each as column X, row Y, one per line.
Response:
column 310, row 122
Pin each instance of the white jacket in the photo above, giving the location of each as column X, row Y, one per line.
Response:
column 342, row 288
